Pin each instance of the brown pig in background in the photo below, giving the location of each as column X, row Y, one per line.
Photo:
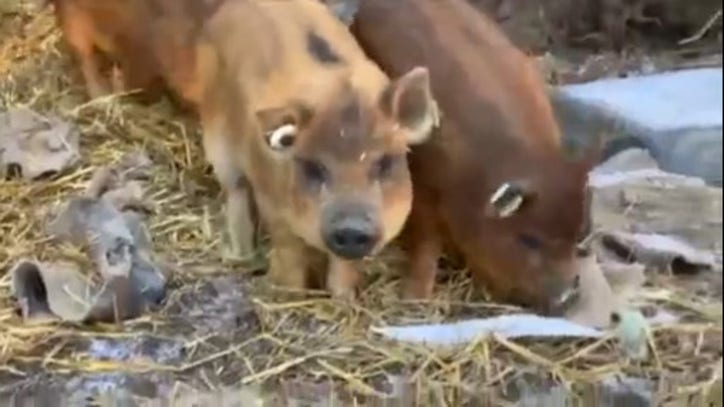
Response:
column 494, row 185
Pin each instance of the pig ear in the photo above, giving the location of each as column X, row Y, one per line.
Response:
column 409, row 102
column 507, row 200
column 280, row 126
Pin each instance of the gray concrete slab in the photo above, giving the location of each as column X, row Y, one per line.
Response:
column 677, row 116
column 661, row 102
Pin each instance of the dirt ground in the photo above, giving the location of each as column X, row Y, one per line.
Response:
column 222, row 333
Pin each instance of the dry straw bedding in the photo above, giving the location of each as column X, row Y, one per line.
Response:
column 315, row 337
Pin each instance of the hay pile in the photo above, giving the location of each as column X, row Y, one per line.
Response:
column 278, row 337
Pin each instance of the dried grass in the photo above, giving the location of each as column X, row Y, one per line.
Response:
column 315, row 338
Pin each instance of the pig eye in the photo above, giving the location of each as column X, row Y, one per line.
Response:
column 383, row 167
column 530, row 242
column 313, row 171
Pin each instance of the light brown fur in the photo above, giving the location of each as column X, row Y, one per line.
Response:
column 272, row 77
column 253, row 67
column 146, row 44
column 108, row 40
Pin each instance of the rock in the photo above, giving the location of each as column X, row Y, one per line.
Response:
column 632, row 159
column 630, row 194
column 656, row 250
column 604, row 289
column 674, row 115
column 610, row 392
column 629, row 391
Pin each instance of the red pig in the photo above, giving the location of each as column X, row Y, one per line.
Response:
column 494, row 185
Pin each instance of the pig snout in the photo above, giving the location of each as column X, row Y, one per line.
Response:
column 562, row 293
column 351, row 232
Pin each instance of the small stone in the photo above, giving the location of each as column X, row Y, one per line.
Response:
column 632, row 331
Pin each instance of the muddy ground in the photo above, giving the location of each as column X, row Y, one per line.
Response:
column 219, row 325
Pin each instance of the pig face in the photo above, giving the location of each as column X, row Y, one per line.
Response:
column 528, row 236
column 349, row 185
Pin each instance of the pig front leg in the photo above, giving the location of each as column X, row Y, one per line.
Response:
column 239, row 218
column 289, row 260
column 138, row 74
column 221, row 153
column 80, row 40
column 96, row 84
column 342, row 278
column 424, row 249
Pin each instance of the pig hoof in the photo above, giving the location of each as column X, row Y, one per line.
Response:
column 118, row 84
column 240, row 246
column 415, row 291
column 237, row 255
column 344, row 294
column 96, row 91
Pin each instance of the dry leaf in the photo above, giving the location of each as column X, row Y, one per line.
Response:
column 35, row 145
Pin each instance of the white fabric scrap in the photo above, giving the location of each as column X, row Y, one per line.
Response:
column 508, row 326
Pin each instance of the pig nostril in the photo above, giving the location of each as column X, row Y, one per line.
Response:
column 339, row 239
column 351, row 237
column 577, row 282
column 362, row 239
column 351, row 243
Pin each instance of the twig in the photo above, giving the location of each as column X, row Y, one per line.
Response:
column 218, row 355
column 585, row 351
column 354, row 382
column 97, row 366
column 703, row 30
column 99, row 101
column 280, row 368
column 12, row 371
column 523, row 352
